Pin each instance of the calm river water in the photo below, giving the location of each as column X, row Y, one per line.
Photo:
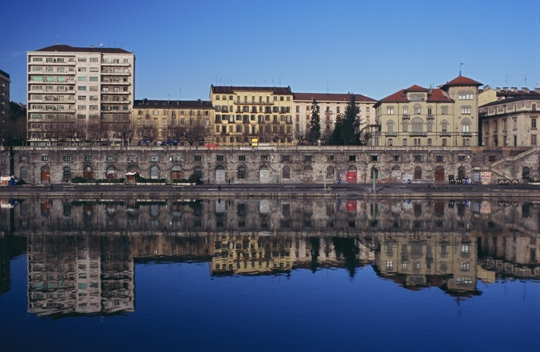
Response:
column 269, row 275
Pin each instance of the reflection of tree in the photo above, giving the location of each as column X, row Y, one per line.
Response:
column 346, row 248
column 315, row 248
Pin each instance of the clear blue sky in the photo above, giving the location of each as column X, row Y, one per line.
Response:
column 367, row 47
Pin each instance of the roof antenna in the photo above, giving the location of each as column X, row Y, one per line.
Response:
column 460, row 64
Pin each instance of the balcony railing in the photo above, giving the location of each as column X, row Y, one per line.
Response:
column 430, row 116
column 406, row 116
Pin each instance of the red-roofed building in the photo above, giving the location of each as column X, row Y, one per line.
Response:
column 252, row 115
column 80, row 95
column 330, row 105
column 446, row 116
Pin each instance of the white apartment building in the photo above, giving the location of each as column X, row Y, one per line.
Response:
column 331, row 105
column 80, row 95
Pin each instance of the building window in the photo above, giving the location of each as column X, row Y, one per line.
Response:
column 219, row 157
column 444, row 142
column 466, row 95
column 374, row 158
column 286, row 174
column 533, row 139
column 286, row 158
column 88, row 158
column 465, row 110
column 439, row 158
column 44, row 158
column 197, row 158
column 241, row 158
column 390, row 142
column 242, row 173
column 404, row 142
column 390, row 110
column 110, row 158
column 352, row 157
column 429, row 142
column 66, row 158
column 154, row 158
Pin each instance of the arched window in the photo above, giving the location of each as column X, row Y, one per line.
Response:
column 525, row 173
column 242, row 173
column 404, row 142
column 176, row 172
column 286, row 173
column 405, row 110
column 111, row 173
column 66, row 174
column 429, row 110
column 154, row 173
column 390, row 126
column 417, row 173
column 466, row 125
column 417, row 109
column 23, row 174
column 430, row 126
column 417, row 125
column 390, row 142
column 444, row 126
column 405, row 125
column 330, row 173
column 197, row 172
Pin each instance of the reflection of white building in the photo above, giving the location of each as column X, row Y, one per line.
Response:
column 72, row 275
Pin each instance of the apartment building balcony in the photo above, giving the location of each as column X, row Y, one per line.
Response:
column 391, row 134
column 118, row 83
column 119, row 102
column 405, row 117
column 445, row 134
column 430, row 116
column 467, row 134
column 115, row 73
column 123, row 92
column 53, row 81
column 55, row 62
column 418, row 134
column 105, row 63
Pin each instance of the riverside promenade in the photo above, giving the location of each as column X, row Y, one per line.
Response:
column 350, row 191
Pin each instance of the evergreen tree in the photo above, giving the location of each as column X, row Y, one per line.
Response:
column 347, row 125
column 315, row 130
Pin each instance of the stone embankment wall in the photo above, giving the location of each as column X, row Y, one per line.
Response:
column 249, row 165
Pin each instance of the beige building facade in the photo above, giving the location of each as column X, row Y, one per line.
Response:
column 511, row 119
column 77, row 94
column 446, row 116
column 181, row 122
column 252, row 115
column 331, row 105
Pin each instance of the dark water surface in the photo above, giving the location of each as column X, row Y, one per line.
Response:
column 269, row 275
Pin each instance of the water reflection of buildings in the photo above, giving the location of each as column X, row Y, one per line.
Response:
column 82, row 254
column 416, row 260
column 79, row 274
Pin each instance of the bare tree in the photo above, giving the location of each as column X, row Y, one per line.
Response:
column 196, row 133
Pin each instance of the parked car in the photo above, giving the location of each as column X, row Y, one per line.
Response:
column 159, row 143
column 172, row 142
column 145, row 142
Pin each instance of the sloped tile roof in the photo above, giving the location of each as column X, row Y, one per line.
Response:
column 462, row 81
